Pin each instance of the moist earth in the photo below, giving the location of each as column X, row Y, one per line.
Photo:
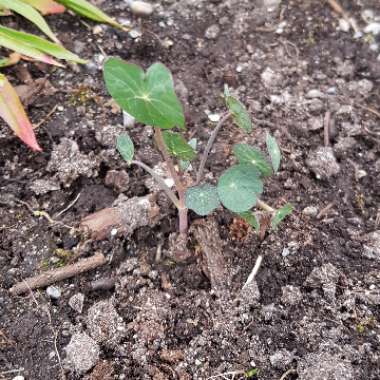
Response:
column 313, row 309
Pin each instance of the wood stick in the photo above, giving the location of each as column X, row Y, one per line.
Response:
column 54, row 275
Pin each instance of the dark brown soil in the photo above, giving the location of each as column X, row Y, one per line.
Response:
column 317, row 306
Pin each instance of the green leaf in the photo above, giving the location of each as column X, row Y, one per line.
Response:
column 149, row 97
column 29, row 13
column 178, row 146
column 251, row 219
column 281, row 214
column 125, row 146
column 238, row 187
column 84, row 8
column 246, row 154
column 239, row 113
column 33, row 46
column 251, row 372
column 202, row 199
column 274, row 152
column 184, row 164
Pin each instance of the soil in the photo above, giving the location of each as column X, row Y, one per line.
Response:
column 313, row 310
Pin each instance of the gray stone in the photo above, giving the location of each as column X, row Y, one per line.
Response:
column 291, row 295
column 140, row 8
column 322, row 163
column 315, row 123
column 53, row 292
column 281, row 359
column 271, row 78
column 312, row 94
column 371, row 248
column 104, row 323
column 76, row 302
column 310, row 211
column 212, row 32
column 44, row 186
column 250, row 294
column 324, row 366
column 82, row 352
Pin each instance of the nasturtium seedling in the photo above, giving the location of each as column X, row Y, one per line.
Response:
column 202, row 199
column 239, row 187
column 150, row 98
column 274, row 152
column 247, row 154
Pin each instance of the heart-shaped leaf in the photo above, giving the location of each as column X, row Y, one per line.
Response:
column 178, row 146
column 202, row 199
column 239, row 113
column 281, row 214
column 238, row 187
column 274, row 152
column 246, row 154
column 251, row 219
column 149, row 97
column 125, row 147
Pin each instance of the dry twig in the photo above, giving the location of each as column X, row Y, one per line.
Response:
column 338, row 9
column 54, row 275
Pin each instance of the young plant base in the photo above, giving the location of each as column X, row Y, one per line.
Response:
column 150, row 98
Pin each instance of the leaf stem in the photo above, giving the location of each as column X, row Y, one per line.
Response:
column 264, row 206
column 209, row 145
column 160, row 181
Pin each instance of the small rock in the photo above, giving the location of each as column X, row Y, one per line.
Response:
column 315, row 123
column 310, row 211
column 108, row 134
column 76, row 302
column 344, row 145
column 373, row 27
column 322, row 163
column 371, row 248
column 315, row 105
column 79, row 46
column 344, row 26
column 43, row 186
column 271, row 78
column 53, row 292
column 250, row 294
column 118, row 180
column 291, row 295
column 281, row 359
column 141, row 8
column 82, row 352
column 324, row 366
column 135, row 33
column 212, row 32
column 104, row 323
column 128, row 120
column 214, row 117
column 19, row 378
column 365, row 86
column 312, row 94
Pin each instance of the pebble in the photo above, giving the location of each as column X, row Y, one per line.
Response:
column 322, row 163
column 212, row 32
column 140, row 8
column 291, row 295
column 344, row 26
column 76, row 302
column 271, row 78
column 373, row 27
column 19, row 378
column 82, row 352
column 310, row 211
column 315, row 123
column 214, row 117
column 312, row 94
column 53, row 292
column 128, row 120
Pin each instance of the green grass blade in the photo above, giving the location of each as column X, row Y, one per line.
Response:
column 39, row 44
column 46, row 7
column 84, row 8
column 29, row 13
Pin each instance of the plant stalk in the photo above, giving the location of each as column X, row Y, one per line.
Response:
column 264, row 206
column 209, row 145
column 182, row 209
column 160, row 182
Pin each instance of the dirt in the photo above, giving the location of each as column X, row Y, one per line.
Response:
column 313, row 309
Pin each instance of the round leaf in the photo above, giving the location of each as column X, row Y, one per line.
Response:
column 178, row 146
column 274, row 152
column 246, row 154
column 125, row 147
column 202, row 199
column 149, row 97
column 238, row 187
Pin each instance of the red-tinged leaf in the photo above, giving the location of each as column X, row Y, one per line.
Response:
column 11, row 60
column 12, row 112
column 46, row 7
